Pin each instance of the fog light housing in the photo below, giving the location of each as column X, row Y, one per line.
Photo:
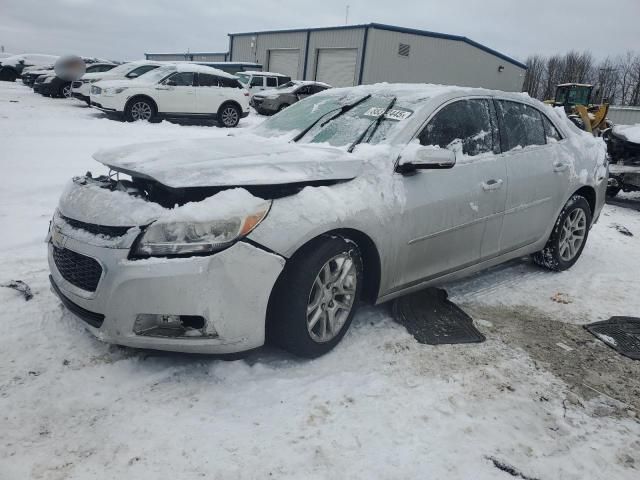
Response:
column 173, row 326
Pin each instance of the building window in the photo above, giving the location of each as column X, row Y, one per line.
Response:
column 404, row 49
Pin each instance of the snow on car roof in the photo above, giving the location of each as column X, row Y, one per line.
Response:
column 194, row 67
column 255, row 72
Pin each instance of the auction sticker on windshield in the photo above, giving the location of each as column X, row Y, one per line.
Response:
column 391, row 114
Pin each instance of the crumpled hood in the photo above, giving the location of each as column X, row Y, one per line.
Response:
column 275, row 91
column 242, row 160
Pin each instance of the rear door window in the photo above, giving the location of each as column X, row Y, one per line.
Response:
column 465, row 122
column 520, row 125
column 206, row 80
column 181, row 79
column 272, row 82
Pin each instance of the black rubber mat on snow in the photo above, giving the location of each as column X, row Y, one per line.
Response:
column 432, row 319
column 620, row 333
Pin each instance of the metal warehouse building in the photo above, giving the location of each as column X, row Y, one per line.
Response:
column 188, row 56
column 371, row 53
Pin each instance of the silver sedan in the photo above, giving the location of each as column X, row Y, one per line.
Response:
column 351, row 196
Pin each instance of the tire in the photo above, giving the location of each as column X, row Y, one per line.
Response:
column 309, row 292
column 229, row 115
column 8, row 74
column 139, row 109
column 65, row 91
column 560, row 252
column 612, row 191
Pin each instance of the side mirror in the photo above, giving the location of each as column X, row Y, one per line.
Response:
column 426, row 158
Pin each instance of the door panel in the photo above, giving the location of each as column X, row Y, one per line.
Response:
column 453, row 217
column 176, row 94
column 209, row 95
column 538, row 177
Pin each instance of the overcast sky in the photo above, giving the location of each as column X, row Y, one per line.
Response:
column 125, row 29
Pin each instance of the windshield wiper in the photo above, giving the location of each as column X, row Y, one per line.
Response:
column 375, row 124
column 341, row 111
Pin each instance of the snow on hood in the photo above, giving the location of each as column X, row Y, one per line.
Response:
column 122, row 82
column 276, row 91
column 231, row 161
column 93, row 204
column 630, row 133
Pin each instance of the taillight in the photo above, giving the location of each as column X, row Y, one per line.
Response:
column 246, row 94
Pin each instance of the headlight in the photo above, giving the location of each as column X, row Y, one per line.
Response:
column 113, row 91
column 179, row 238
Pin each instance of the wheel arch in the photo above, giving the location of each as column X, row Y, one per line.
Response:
column 230, row 102
column 589, row 193
column 372, row 269
column 140, row 96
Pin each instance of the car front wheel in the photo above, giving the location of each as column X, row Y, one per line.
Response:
column 568, row 237
column 229, row 116
column 139, row 109
column 316, row 297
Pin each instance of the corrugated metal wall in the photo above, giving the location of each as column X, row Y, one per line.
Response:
column 436, row 60
column 198, row 57
column 254, row 48
column 624, row 115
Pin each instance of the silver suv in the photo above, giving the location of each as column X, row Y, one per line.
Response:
column 354, row 195
column 269, row 102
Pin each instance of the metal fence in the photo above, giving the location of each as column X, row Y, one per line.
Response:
column 624, row 115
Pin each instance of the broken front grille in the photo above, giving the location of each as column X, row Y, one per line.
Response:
column 96, row 229
column 79, row 270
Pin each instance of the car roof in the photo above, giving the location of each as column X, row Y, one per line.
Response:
column 197, row 68
column 258, row 73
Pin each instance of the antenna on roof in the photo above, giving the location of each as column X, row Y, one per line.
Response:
column 346, row 16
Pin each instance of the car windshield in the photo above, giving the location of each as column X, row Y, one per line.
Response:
column 123, row 69
column 337, row 129
column 157, row 74
column 243, row 77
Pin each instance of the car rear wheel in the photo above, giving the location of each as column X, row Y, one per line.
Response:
column 65, row 91
column 315, row 298
column 139, row 109
column 229, row 115
column 568, row 237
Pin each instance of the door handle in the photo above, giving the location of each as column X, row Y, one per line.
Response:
column 560, row 167
column 492, row 185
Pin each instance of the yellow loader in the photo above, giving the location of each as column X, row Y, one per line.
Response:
column 576, row 100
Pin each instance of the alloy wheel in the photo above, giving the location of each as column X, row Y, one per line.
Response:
column 229, row 117
column 331, row 298
column 66, row 91
column 574, row 229
column 141, row 111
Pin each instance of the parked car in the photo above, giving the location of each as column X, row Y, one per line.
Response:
column 54, row 86
column 269, row 102
column 181, row 90
column 30, row 74
column 352, row 195
column 255, row 81
column 623, row 146
column 81, row 89
column 11, row 67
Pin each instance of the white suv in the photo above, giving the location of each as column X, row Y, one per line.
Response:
column 80, row 89
column 180, row 90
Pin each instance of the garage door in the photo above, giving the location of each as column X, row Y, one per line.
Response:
column 337, row 66
column 284, row 62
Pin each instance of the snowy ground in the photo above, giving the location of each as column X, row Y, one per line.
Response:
column 540, row 394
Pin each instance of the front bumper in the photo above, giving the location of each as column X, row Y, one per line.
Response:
column 80, row 96
column 99, row 106
column 230, row 289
